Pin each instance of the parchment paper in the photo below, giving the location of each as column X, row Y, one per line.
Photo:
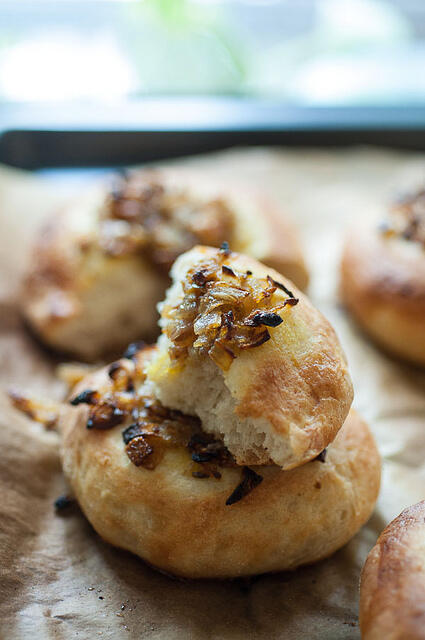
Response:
column 58, row 579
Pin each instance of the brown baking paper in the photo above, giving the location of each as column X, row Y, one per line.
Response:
column 58, row 579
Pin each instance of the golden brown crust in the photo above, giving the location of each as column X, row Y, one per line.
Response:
column 392, row 590
column 311, row 387
column 65, row 295
column 182, row 524
column 284, row 253
column 49, row 280
column 263, row 229
column 296, row 385
column 82, row 301
column 383, row 286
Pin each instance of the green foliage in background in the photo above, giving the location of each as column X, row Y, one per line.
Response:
column 182, row 46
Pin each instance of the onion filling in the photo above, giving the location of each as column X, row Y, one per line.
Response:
column 223, row 312
column 141, row 215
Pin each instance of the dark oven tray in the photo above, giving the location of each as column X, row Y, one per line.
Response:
column 154, row 128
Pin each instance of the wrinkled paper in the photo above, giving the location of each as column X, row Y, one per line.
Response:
column 58, row 579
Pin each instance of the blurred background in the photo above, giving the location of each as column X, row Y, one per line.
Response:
column 58, row 59
column 312, row 52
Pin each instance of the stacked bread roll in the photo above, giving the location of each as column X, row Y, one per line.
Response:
column 228, row 448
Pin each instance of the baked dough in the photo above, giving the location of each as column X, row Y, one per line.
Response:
column 100, row 266
column 383, row 279
column 255, row 361
column 171, row 509
column 392, row 590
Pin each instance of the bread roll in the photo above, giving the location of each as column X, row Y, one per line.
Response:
column 174, row 495
column 100, row 266
column 383, row 279
column 392, row 590
column 248, row 354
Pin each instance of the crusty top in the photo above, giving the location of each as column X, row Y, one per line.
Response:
column 383, row 279
column 380, row 270
column 223, row 310
column 141, row 213
column 280, row 358
column 144, row 213
column 392, row 591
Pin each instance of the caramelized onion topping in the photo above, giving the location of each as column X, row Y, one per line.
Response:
column 42, row 411
column 210, row 453
column 142, row 215
column 406, row 219
column 139, row 450
column 88, row 396
column 105, row 416
column 154, row 428
column 250, row 480
column 223, row 312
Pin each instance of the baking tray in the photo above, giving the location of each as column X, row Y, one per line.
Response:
column 65, row 135
column 58, row 578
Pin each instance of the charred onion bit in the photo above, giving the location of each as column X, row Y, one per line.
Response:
column 105, row 416
column 261, row 339
column 292, row 300
column 199, row 278
column 158, row 427
column 114, row 370
column 155, row 428
column 121, row 373
column 43, row 411
column 407, row 219
column 210, row 454
column 225, row 249
column 267, row 318
column 143, row 215
column 63, row 502
column 138, row 450
column 322, row 456
column 131, row 432
column 133, row 349
column 228, row 270
column 88, row 396
column 223, row 311
column 250, row 480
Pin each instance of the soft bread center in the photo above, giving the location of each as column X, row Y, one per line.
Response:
column 200, row 390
